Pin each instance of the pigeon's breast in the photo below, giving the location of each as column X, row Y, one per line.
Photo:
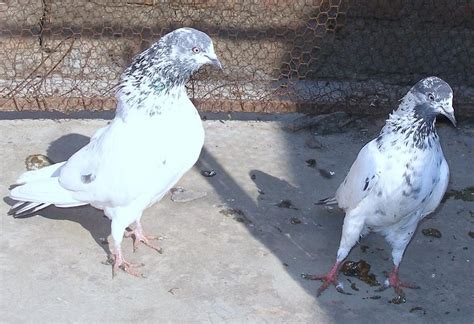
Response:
column 404, row 188
column 140, row 157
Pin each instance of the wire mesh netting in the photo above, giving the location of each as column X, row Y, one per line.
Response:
column 279, row 55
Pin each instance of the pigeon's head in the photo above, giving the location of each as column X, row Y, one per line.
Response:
column 435, row 96
column 191, row 49
column 168, row 63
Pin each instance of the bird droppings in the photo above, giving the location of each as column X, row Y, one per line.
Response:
column 364, row 248
column 466, row 194
column 326, row 174
column 471, row 234
column 237, row 214
column 37, row 161
column 354, row 287
column 208, row 173
column 359, row 270
column 295, row 220
column 311, row 163
column 418, row 308
column 182, row 195
column 400, row 299
column 431, row 232
column 286, row 203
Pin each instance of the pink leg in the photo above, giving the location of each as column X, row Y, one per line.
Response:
column 394, row 281
column 138, row 237
column 120, row 263
column 327, row 279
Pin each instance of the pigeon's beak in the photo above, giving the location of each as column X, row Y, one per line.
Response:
column 214, row 61
column 217, row 63
column 448, row 111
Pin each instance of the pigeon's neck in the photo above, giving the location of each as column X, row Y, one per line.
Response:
column 158, row 79
column 152, row 100
column 153, row 83
column 412, row 125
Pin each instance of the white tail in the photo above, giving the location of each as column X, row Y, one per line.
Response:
column 39, row 189
column 327, row 201
column 40, row 174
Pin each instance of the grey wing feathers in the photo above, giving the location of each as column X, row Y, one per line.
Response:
column 439, row 190
column 361, row 178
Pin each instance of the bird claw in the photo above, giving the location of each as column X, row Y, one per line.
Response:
column 120, row 263
column 327, row 279
column 145, row 241
column 394, row 282
column 138, row 237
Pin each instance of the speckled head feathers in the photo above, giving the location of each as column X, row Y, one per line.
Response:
column 432, row 96
column 435, row 86
column 170, row 61
column 161, row 71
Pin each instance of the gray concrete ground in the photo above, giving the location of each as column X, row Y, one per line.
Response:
column 218, row 267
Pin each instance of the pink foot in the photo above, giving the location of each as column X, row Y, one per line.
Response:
column 138, row 237
column 394, row 281
column 120, row 263
column 327, row 279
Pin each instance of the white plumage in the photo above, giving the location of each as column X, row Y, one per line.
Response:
column 155, row 137
column 397, row 179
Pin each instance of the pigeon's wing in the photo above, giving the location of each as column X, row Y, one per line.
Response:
column 40, row 174
column 81, row 167
column 439, row 190
column 122, row 163
column 361, row 179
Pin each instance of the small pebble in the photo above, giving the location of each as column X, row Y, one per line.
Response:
column 286, row 203
column 295, row 220
column 208, row 173
column 37, row 161
column 433, row 232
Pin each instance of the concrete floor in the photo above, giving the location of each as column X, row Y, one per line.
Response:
column 218, row 267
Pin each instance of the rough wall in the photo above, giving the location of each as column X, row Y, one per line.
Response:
column 315, row 56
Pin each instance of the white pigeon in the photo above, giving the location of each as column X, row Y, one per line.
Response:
column 396, row 180
column 154, row 139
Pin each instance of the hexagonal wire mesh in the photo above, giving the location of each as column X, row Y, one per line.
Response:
column 279, row 55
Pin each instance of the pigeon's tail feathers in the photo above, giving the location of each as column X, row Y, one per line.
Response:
column 36, row 195
column 40, row 174
column 327, row 201
column 23, row 208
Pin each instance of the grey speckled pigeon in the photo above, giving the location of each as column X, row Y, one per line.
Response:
column 155, row 137
column 396, row 180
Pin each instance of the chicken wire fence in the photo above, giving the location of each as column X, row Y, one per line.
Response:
column 278, row 55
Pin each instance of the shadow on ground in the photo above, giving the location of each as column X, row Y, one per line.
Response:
column 267, row 187
column 305, row 237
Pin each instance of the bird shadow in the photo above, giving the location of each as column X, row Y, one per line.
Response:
column 274, row 217
column 91, row 219
column 64, row 147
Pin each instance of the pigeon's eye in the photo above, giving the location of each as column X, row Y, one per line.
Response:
column 431, row 97
column 196, row 50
